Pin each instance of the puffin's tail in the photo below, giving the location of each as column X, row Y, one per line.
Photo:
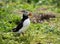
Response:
column 13, row 30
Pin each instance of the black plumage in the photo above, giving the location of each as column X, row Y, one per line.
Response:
column 20, row 25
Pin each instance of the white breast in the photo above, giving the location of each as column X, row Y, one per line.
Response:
column 26, row 23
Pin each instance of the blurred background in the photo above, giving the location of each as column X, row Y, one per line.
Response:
column 37, row 33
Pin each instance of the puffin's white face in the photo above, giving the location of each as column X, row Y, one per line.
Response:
column 26, row 13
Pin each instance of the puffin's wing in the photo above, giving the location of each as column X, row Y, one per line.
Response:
column 19, row 26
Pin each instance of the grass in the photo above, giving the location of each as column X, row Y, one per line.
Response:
column 44, row 33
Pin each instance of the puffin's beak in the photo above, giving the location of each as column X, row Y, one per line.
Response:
column 30, row 15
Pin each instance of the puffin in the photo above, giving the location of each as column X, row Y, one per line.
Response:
column 24, row 23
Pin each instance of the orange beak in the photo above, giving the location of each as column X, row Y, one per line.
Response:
column 30, row 14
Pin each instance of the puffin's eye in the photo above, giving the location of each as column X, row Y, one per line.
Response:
column 26, row 12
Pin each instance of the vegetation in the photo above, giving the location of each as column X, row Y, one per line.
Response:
column 40, row 33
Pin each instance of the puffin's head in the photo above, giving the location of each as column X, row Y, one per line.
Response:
column 26, row 13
